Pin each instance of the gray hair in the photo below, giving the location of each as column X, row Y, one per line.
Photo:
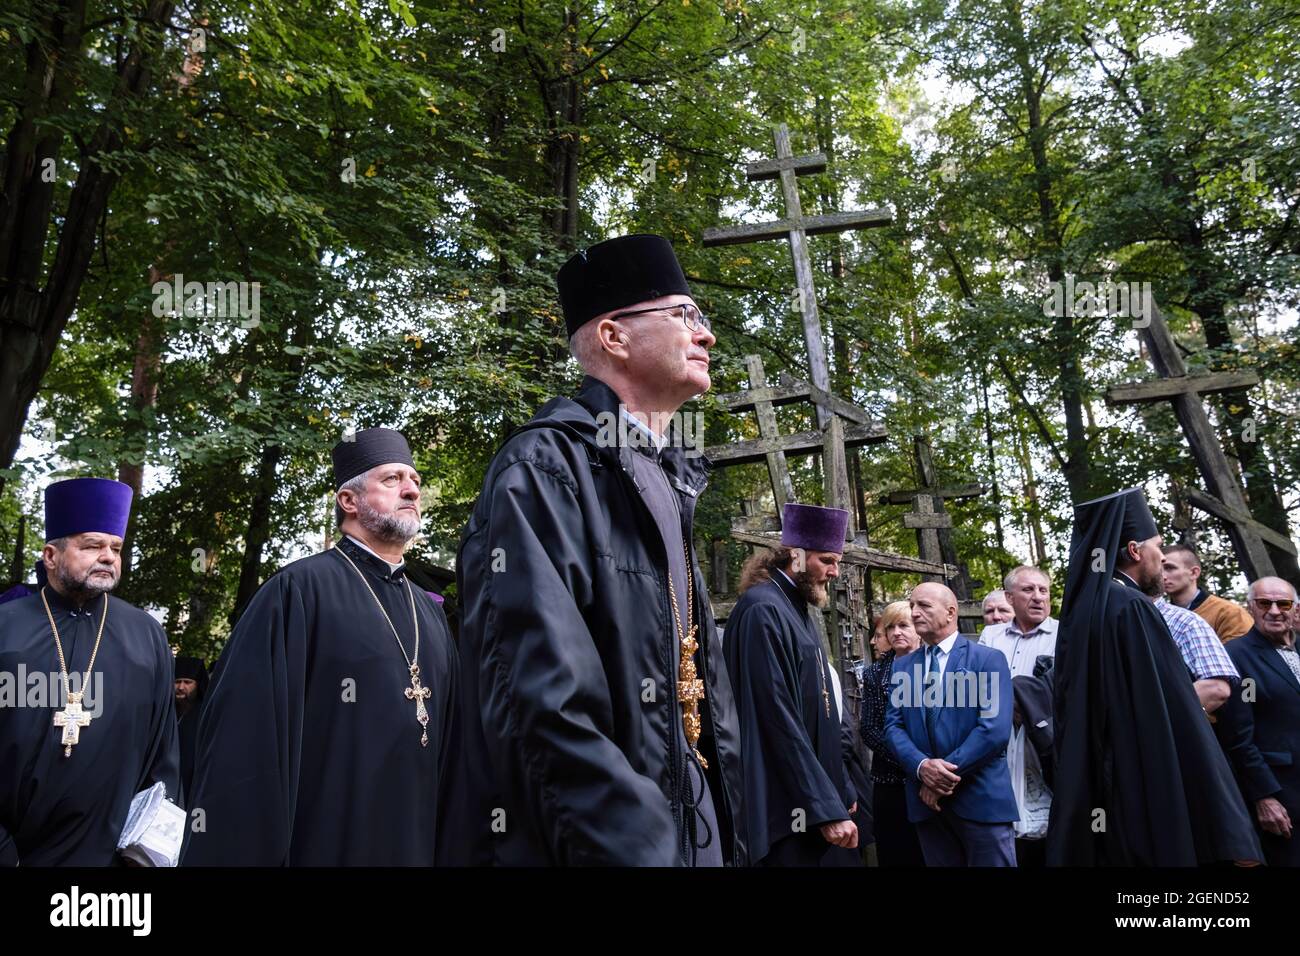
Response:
column 1009, row 582
column 1250, row 591
column 356, row 485
column 584, row 346
column 995, row 593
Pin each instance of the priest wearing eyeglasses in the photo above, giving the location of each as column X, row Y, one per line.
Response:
column 86, row 719
column 597, row 704
column 326, row 732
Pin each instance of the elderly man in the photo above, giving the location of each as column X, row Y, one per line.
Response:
column 948, row 724
column 1180, row 579
column 1031, row 632
column 1139, row 777
column 326, row 734
column 1029, row 635
column 997, row 609
column 1260, row 726
column 88, row 722
column 595, row 697
column 797, row 802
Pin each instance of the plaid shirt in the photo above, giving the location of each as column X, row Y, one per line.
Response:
column 1201, row 648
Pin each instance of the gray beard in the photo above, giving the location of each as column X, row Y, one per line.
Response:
column 85, row 588
column 396, row 528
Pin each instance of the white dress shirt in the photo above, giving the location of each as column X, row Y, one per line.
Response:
column 944, row 650
column 1021, row 648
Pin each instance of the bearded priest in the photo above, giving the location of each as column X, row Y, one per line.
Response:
column 325, row 733
column 86, row 719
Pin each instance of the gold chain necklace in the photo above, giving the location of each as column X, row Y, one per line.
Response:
column 72, row 718
column 415, row 692
column 690, row 689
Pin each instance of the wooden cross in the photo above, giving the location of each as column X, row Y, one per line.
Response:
column 1226, row 501
column 773, row 447
column 71, row 718
column 796, row 227
column 933, row 526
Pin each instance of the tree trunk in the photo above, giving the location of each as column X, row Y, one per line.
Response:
column 259, row 529
column 34, row 307
column 1065, row 336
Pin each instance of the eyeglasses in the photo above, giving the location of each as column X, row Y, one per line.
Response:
column 691, row 316
column 1264, row 604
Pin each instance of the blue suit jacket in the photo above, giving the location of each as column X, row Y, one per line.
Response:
column 973, row 738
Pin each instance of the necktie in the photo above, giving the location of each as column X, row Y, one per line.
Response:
column 931, row 680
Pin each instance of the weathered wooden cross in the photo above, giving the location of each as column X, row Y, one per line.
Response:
column 773, row 447
column 796, row 227
column 933, row 526
column 1226, row 501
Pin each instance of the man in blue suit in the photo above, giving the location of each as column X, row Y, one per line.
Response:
column 948, row 723
column 1259, row 726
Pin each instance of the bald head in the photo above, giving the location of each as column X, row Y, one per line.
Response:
column 1266, row 598
column 934, row 611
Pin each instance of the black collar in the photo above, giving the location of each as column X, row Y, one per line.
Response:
column 1127, row 581
column 62, row 605
column 364, row 559
column 1198, row 600
column 790, row 590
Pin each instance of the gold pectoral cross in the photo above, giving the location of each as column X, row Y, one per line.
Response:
column 419, row 694
column 690, row 691
column 71, row 718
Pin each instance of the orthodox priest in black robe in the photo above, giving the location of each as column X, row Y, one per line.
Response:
column 326, row 729
column 797, row 800
column 191, row 685
column 74, row 752
column 1140, row 779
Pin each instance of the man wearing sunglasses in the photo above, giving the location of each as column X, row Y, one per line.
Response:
column 595, row 694
column 1260, row 724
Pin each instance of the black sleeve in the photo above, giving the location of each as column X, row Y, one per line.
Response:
column 543, row 685
column 250, row 736
column 1235, row 723
column 8, row 849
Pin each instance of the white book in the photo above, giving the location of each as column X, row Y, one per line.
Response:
column 155, row 829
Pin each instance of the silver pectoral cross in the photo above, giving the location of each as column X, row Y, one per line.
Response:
column 72, row 718
column 419, row 694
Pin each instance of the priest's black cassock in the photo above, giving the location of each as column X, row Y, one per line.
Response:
column 187, row 725
column 1131, row 737
column 790, row 730
column 309, row 751
column 58, row 810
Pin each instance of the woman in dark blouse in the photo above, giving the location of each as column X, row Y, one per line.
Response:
column 896, row 843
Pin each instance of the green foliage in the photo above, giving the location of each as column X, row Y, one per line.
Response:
column 401, row 180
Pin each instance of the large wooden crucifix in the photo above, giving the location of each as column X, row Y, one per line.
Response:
column 796, row 227
column 933, row 526
column 1226, row 500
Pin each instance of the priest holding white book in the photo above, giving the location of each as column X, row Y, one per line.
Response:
column 86, row 714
